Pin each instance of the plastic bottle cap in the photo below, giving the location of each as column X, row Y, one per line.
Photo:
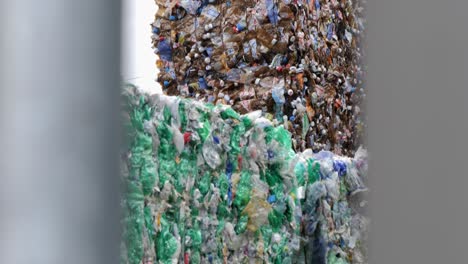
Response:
column 208, row 67
column 188, row 58
column 240, row 27
column 257, row 81
column 263, row 49
column 207, row 60
column 276, row 238
column 290, row 92
column 196, row 55
column 271, row 199
column 208, row 27
column 274, row 41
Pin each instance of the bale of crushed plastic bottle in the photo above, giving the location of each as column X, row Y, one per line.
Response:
column 208, row 185
column 299, row 61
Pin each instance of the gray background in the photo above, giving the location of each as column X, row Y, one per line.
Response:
column 418, row 88
column 59, row 79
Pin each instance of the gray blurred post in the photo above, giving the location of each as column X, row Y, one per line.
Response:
column 418, row 128
column 59, row 91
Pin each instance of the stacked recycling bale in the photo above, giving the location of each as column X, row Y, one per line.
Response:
column 297, row 61
column 208, row 185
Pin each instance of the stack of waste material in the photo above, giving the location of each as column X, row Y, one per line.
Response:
column 297, row 61
column 208, row 185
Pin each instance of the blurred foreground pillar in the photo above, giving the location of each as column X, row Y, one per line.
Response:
column 418, row 127
column 59, row 91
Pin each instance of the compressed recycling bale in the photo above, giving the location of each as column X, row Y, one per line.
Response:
column 248, row 54
column 251, row 199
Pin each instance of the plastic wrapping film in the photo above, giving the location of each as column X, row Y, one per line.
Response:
column 208, row 185
column 299, row 61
